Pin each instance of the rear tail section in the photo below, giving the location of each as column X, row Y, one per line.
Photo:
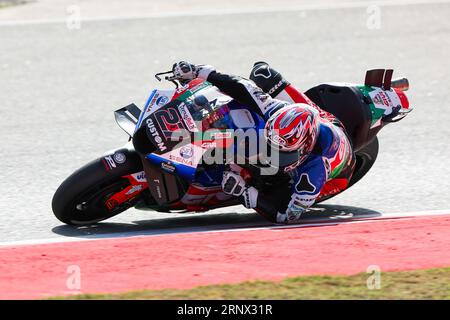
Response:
column 386, row 97
column 364, row 109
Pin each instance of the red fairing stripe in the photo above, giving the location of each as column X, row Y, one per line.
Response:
column 403, row 99
column 134, row 189
column 195, row 190
column 333, row 186
column 182, row 90
column 296, row 95
column 300, row 97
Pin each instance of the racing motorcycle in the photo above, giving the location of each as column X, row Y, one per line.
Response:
column 155, row 171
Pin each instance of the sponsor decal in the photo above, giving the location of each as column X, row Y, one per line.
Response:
column 187, row 118
column 154, row 133
column 158, row 188
column 215, row 116
column 209, row 144
column 153, row 101
column 168, row 167
column 134, row 189
column 158, row 99
column 162, row 100
column 276, row 87
column 139, row 177
column 186, row 152
column 221, row 135
column 384, row 99
column 168, row 120
column 261, row 95
column 109, row 162
column 199, row 86
column 377, row 100
column 119, row 158
column 180, row 89
column 182, row 160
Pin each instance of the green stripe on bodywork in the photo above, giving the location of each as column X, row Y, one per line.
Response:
column 189, row 93
column 337, row 171
column 377, row 113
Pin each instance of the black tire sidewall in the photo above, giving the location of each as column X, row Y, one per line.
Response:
column 96, row 172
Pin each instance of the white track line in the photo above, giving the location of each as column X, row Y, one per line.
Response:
column 221, row 12
column 231, row 228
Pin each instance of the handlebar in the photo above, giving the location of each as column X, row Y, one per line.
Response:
column 169, row 77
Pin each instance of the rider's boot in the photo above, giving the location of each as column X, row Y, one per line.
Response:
column 273, row 83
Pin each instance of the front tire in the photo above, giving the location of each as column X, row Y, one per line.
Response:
column 81, row 198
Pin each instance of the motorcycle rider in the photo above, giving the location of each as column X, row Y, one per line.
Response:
column 322, row 156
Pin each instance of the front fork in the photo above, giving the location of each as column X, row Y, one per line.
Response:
column 138, row 183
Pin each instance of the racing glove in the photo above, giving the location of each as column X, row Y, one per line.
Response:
column 268, row 79
column 293, row 213
column 234, row 184
column 186, row 71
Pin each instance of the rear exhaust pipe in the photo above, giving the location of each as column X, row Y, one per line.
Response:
column 401, row 84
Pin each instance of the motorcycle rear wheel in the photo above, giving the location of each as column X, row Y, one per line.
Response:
column 365, row 158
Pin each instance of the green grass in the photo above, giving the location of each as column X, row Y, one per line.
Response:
column 420, row 284
column 9, row 3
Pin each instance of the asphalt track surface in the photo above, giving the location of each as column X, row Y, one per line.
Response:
column 58, row 88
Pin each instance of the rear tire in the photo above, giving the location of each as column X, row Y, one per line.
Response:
column 80, row 199
column 365, row 158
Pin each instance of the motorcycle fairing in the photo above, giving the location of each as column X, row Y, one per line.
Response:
column 163, row 186
column 382, row 103
column 363, row 109
column 127, row 118
column 204, row 114
column 157, row 99
column 138, row 183
column 183, row 160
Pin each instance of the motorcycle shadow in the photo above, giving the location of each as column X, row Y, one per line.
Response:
column 318, row 216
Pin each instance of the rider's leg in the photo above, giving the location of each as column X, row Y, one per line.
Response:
column 268, row 202
column 339, row 182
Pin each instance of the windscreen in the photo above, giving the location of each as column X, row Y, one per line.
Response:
column 210, row 107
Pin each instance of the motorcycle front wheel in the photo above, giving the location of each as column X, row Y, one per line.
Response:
column 81, row 198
